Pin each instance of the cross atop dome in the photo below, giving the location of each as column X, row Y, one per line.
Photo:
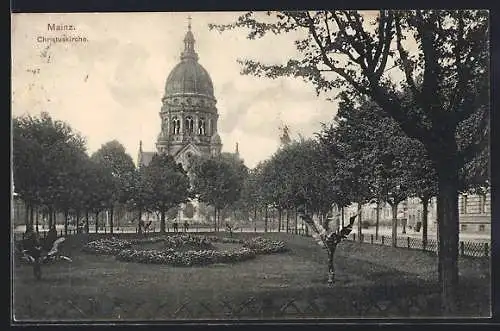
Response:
column 189, row 52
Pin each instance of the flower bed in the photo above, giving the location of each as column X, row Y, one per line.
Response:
column 195, row 242
column 107, row 246
column 265, row 246
column 188, row 258
column 203, row 255
column 224, row 240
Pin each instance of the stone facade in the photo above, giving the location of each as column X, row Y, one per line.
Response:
column 188, row 115
column 474, row 212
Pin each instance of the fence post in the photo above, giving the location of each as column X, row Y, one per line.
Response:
column 462, row 249
column 371, row 238
column 486, row 249
column 382, row 240
column 408, row 242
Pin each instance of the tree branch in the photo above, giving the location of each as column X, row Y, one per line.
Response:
column 461, row 76
column 407, row 65
column 382, row 52
column 327, row 61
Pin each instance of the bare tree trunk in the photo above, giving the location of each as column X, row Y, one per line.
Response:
column 447, row 210
column 255, row 219
column 87, row 226
column 218, row 221
column 215, row 219
column 394, row 208
column 32, row 218
column 37, row 211
column 342, row 215
column 77, row 221
column 360, row 233
column 162, row 221
column 337, row 220
column 139, row 222
column 331, row 266
column 287, row 219
column 51, row 218
column 265, row 220
column 279, row 219
column 27, row 219
column 66, row 222
column 96, row 222
column 296, row 222
column 404, row 220
column 425, row 210
column 377, row 219
column 111, row 213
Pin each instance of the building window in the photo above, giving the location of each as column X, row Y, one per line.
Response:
column 463, row 227
column 482, row 203
column 201, row 127
column 176, row 125
column 189, row 125
column 463, row 206
column 481, row 227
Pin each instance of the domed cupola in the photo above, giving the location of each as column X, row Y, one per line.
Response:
column 189, row 77
column 189, row 114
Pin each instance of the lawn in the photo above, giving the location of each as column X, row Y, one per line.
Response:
column 371, row 281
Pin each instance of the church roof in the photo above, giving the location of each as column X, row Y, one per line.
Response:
column 189, row 77
column 145, row 158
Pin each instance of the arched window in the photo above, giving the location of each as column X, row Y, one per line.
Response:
column 189, row 124
column 201, row 127
column 176, row 125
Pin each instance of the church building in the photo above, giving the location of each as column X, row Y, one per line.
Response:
column 188, row 118
column 188, row 115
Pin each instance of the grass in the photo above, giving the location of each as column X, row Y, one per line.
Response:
column 371, row 281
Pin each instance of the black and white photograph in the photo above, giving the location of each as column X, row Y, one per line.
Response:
column 250, row 166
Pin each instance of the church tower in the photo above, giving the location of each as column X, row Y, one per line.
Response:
column 188, row 114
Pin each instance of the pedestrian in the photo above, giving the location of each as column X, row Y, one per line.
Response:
column 186, row 226
column 34, row 249
column 175, row 225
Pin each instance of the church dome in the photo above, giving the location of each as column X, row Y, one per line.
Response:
column 189, row 76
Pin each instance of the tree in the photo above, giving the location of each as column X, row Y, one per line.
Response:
column 218, row 181
column 101, row 190
column 136, row 193
column 119, row 164
column 453, row 60
column 167, row 185
column 46, row 156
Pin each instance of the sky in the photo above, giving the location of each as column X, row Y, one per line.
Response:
column 111, row 86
